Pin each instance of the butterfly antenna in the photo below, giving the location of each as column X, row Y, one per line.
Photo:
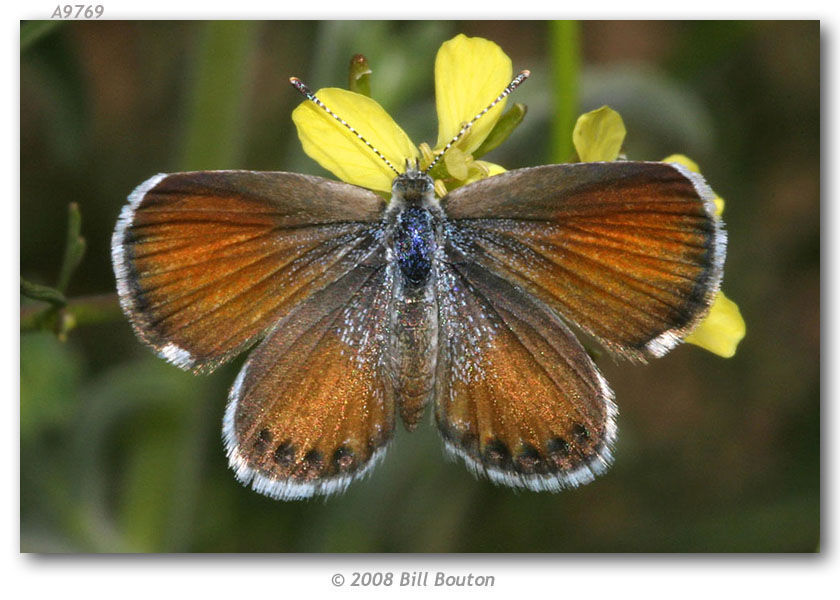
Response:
column 303, row 89
column 505, row 93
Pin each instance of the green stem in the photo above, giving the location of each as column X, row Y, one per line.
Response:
column 564, row 44
column 215, row 123
column 74, row 249
column 84, row 310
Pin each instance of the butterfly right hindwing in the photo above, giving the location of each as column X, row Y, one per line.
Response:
column 518, row 398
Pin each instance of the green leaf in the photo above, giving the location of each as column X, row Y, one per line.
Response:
column 502, row 130
column 44, row 293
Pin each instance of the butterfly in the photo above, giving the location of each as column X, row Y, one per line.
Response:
column 363, row 309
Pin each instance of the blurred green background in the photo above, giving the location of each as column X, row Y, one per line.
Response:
column 121, row 452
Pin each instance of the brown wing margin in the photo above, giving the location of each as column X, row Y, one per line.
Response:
column 631, row 252
column 206, row 262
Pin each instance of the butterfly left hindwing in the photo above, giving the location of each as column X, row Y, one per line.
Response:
column 313, row 407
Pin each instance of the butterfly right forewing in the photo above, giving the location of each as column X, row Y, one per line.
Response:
column 631, row 252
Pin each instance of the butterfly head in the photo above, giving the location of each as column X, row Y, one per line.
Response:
column 413, row 187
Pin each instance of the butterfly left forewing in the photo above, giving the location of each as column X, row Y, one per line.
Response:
column 206, row 262
column 517, row 396
column 313, row 407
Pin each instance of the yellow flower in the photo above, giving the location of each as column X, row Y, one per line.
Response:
column 598, row 136
column 722, row 330
column 692, row 166
column 469, row 74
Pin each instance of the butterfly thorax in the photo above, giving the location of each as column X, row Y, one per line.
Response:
column 414, row 245
column 413, row 227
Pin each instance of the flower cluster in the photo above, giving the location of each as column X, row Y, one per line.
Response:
column 469, row 73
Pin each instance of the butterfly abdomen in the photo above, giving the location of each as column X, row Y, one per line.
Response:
column 414, row 352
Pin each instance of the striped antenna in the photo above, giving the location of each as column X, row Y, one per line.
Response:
column 301, row 87
column 505, row 93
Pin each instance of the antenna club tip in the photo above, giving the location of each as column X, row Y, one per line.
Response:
column 300, row 86
column 525, row 73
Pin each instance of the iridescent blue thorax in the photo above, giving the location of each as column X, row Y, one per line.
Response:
column 414, row 244
column 414, row 227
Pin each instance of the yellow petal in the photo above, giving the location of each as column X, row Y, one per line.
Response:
column 440, row 188
column 456, row 163
column 692, row 166
column 722, row 329
column 598, row 135
column 485, row 169
column 340, row 151
column 683, row 160
column 469, row 74
column 426, row 155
